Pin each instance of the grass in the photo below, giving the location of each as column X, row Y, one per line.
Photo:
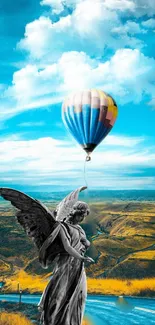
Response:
column 146, row 255
column 13, row 319
column 27, row 282
column 4, row 267
column 19, row 319
column 116, row 287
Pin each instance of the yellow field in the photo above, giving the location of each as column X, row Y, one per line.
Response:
column 147, row 255
column 4, row 267
column 31, row 283
column 13, row 319
column 120, row 287
column 95, row 286
column 19, row 319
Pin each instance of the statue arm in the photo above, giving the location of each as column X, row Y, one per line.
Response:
column 86, row 242
column 69, row 249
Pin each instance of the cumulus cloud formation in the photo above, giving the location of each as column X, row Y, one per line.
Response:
column 123, row 141
column 34, row 87
column 130, row 27
column 143, row 8
column 56, row 5
column 150, row 23
column 68, row 54
column 136, row 7
column 90, row 28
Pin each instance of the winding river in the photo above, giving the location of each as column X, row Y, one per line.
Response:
column 103, row 310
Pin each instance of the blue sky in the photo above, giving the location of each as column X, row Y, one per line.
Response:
column 50, row 48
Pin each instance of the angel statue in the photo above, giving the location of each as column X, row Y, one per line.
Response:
column 62, row 242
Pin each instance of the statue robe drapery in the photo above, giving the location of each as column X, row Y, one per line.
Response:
column 63, row 300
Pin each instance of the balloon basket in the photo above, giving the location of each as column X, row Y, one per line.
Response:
column 88, row 158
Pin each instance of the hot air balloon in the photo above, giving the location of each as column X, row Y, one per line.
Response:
column 89, row 115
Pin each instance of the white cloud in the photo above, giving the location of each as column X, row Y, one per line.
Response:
column 125, row 183
column 114, row 140
column 121, row 5
column 150, row 23
column 48, row 161
column 56, row 5
column 151, row 103
column 60, row 58
column 31, row 124
column 28, row 79
column 89, row 28
column 130, row 27
column 12, row 137
column 38, row 46
column 127, row 76
column 143, row 8
column 137, row 8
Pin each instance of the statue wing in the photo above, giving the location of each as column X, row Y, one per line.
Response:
column 36, row 219
column 65, row 206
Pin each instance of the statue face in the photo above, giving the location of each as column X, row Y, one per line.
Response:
column 79, row 218
column 79, row 211
column 76, row 216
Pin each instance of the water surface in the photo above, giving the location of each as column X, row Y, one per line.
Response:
column 103, row 310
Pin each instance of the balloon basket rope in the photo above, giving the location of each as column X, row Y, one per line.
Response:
column 84, row 173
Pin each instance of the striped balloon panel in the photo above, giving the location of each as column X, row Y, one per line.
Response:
column 78, row 118
column 86, row 112
column 86, row 115
column 89, row 115
column 108, row 113
column 77, row 123
column 70, row 122
column 76, row 101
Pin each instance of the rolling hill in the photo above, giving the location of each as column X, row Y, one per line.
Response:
column 122, row 239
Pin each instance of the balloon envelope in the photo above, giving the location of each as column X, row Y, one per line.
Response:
column 89, row 115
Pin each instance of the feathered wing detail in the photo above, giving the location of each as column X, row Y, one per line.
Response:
column 36, row 219
column 65, row 206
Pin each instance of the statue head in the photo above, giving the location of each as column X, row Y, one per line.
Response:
column 79, row 211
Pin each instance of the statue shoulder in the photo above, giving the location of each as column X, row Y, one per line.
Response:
column 82, row 232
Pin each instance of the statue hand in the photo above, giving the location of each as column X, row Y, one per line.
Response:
column 89, row 259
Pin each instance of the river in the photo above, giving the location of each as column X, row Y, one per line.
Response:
column 103, row 310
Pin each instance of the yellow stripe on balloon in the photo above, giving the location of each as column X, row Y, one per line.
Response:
column 110, row 108
column 110, row 101
column 115, row 111
column 102, row 94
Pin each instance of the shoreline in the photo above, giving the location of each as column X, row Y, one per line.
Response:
column 88, row 294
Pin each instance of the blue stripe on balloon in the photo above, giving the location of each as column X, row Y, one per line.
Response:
column 93, row 123
column 101, row 132
column 77, row 129
column 79, row 122
column 86, row 113
column 70, row 126
column 104, row 134
column 71, row 114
